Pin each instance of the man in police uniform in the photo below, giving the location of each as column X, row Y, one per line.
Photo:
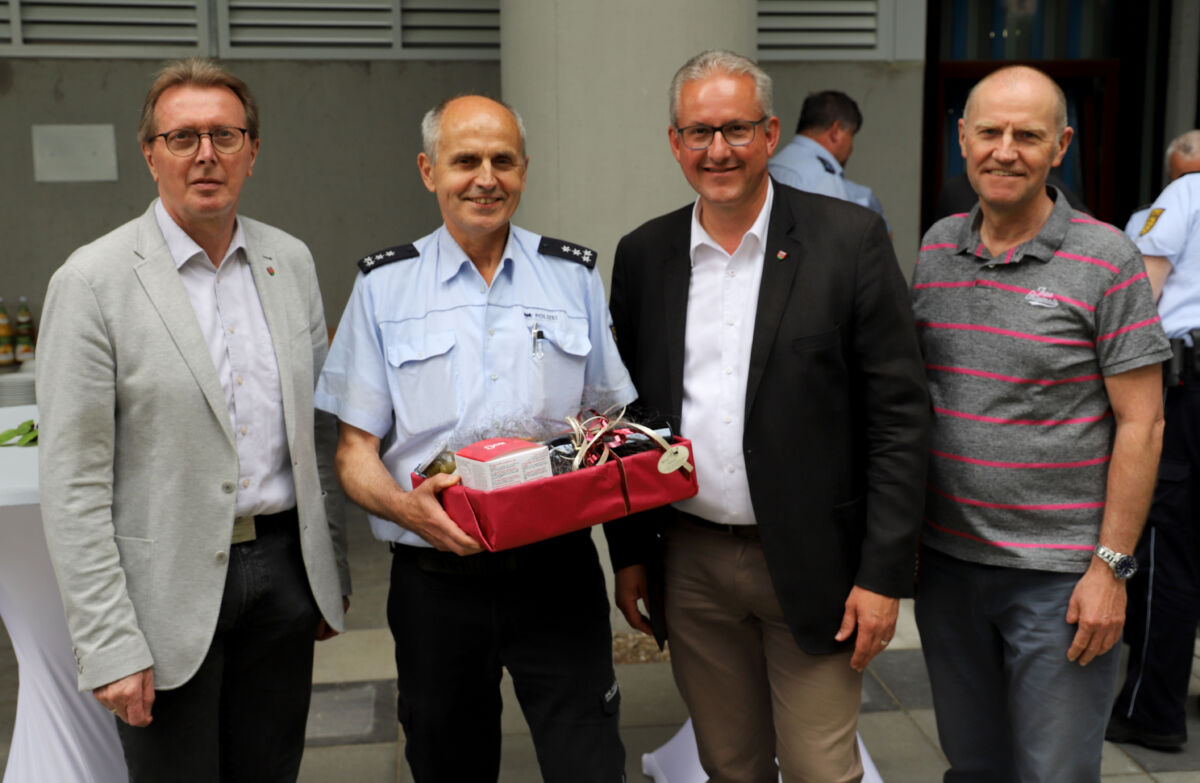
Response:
column 1183, row 157
column 1164, row 597
column 480, row 328
column 814, row 159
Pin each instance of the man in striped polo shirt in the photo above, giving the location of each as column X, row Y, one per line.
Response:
column 1043, row 350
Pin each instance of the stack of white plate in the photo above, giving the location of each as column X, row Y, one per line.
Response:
column 16, row 388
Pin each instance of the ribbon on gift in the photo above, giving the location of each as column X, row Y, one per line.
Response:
column 588, row 434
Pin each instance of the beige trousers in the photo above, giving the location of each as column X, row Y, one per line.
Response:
column 753, row 694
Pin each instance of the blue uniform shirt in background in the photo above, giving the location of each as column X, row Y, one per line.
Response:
column 427, row 356
column 805, row 165
column 1174, row 234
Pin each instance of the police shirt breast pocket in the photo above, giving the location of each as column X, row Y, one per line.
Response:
column 423, row 376
column 557, row 367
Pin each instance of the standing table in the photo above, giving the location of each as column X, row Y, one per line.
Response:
column 60, row 734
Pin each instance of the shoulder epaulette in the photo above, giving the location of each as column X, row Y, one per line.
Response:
column 373, row 261
column 828, row 166
column 568, row 250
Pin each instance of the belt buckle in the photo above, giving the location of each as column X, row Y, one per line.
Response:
column 243, row 530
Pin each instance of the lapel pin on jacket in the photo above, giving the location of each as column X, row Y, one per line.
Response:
column 271, row 271
column 782, row 254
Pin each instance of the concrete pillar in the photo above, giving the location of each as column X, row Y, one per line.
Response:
column 591, row 79
column 1183, row 66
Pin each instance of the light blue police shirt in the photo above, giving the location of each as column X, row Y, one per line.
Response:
column 865, row 197
column 1175, row 235
column 427, row 356
column 805, row 165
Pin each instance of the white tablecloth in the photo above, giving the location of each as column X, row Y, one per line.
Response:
column 60, row 734
column 677, row 761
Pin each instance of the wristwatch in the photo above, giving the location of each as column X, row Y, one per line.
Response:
column 1123, row 566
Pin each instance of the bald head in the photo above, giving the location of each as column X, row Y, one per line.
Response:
column 1021, row 78
column 431, row 124
column 1183, row 155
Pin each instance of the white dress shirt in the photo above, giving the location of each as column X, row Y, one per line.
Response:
column 231, row 318
column 722, row 304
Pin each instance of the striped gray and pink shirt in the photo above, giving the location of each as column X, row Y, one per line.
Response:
column 1016, row 348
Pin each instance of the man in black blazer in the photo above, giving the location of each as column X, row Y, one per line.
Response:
column 772, row 327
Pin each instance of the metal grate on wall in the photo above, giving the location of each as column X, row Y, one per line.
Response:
column 276, row 29
column 360, row 29
column 825, row 29
column 100, row 28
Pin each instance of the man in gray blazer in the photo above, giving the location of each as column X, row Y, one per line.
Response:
column 190, row 507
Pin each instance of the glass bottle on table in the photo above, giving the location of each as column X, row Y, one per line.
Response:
column 25, row 332
column 7, row 356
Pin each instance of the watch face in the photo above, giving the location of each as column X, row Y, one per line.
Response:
column 1125, row 566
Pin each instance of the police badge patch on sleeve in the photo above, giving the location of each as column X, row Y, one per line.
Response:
column 1151, row 219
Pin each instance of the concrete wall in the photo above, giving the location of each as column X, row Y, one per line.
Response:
column 887, row 151
column 340, row 139
column 337, row 166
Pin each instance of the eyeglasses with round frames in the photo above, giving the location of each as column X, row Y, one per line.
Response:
column 738, row 133
column 184, row 141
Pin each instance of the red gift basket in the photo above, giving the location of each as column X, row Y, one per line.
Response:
column 544, row 508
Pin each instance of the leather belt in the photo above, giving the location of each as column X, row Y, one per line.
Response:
column 249, row 528
column 737, row 531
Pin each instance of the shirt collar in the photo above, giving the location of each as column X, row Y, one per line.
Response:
column 1042, row 247
column 182, row 247
column 452, row 259
column 815, row 147
column 758, row 230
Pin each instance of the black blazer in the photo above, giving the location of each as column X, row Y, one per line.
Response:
column 837, row 412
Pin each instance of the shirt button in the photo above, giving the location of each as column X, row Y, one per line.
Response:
column 729, row 322
column 227, row 487
column 728, row 419
column 732, row 273
column 483, row 289
column 735, row 515
column 991, row 266
column 222, row 556
column 495, row 376
column 245, row 430
column 239, row 381
column 245, row 483
column 232, row 330
column 491, row 332
column 731, row 469
column 729, row 371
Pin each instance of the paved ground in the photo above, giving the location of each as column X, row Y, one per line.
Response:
column 352, row 733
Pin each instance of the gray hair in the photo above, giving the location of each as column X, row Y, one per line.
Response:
column 1186, row 145
column 1010, row 72
column 723, row 61
column 195, row 72
column 431, row 124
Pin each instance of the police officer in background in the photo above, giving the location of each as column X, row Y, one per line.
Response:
column 814, row 159
column 1183, row 157
column 475, row 329
column 1164, row 596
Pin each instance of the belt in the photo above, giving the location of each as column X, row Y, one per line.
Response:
column 246, row 529
column 490, row 563
column 737, row 531
column 1183, row 367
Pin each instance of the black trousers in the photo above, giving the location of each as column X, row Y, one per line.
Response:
column 242, row 716
column 541, row 612
column 1164, row 596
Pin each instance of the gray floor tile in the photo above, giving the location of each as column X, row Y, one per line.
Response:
column 902, row 673
column 352, row 714
column 901, row 751
column 350, row 763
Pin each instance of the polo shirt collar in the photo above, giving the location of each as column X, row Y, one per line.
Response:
column 1042, row 247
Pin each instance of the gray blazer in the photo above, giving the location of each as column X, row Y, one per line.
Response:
column 138, row 467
